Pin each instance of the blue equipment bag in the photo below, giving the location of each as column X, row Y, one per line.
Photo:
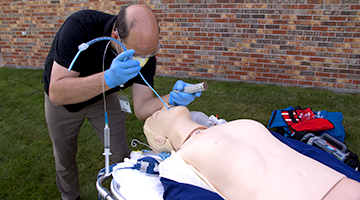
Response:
column 277, row 121
column 301, row 124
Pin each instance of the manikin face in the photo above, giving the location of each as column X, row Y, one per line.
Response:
column 162, row 121
column 159, row 124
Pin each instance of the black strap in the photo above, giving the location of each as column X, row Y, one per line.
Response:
column 292, row 117
column 299, row 135
column 353, row 164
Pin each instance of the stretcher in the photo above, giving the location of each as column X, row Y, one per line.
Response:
column 138, row 171
column 115, row 192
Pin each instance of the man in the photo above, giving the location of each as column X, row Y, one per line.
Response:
column 238, row 160
column 104, row 67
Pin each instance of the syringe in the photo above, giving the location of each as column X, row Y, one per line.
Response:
column 107, row 152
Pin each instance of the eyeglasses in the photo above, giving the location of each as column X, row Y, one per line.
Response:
column 135, row 54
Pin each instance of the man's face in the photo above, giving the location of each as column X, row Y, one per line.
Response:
column 138, row 47
column 145, row 49
column 145, row 46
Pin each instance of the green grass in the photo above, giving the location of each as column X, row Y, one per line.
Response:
column 26, row 161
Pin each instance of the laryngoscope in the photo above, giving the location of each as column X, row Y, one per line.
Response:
column 191, row 89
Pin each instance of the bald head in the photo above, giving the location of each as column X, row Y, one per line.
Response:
column 138, row 28
column 141, row 17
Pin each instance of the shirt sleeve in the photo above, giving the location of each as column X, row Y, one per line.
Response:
column 67, row 42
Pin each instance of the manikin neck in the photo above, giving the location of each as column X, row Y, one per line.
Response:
column 182, row 131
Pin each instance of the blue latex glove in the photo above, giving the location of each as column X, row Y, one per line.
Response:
column 122, row 69
column 181, row 98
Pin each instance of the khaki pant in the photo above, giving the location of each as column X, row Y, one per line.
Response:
column 63, row 129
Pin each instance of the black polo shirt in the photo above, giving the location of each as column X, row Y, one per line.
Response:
column 82, row 27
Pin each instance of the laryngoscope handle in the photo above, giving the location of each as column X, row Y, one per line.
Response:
column 199, row 87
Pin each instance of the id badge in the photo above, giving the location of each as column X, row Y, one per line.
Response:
column 124, row 103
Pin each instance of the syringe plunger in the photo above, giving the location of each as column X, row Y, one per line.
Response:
column 107, row 136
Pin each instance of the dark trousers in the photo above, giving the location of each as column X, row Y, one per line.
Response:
column 63, row 129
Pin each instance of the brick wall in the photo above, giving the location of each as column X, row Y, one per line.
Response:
column 312, row 43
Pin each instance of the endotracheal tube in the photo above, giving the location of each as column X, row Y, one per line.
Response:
column 83, row 47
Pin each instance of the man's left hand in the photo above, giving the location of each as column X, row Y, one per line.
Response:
column 179, row 98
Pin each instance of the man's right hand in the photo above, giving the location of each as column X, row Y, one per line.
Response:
column 122, row 69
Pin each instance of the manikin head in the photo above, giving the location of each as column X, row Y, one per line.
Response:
column 166, row 130
column 159, row 144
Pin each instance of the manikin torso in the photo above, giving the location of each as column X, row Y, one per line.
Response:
column 244, row 161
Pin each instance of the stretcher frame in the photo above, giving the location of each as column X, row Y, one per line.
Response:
column 103, row 192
